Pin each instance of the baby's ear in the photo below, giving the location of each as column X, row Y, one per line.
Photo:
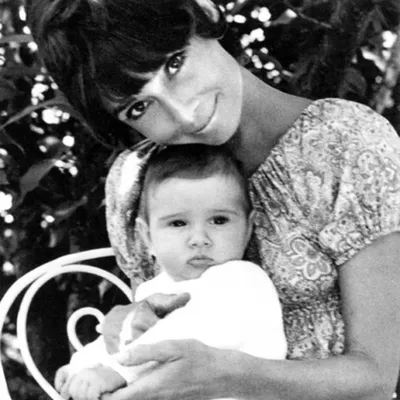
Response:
column 144, row 231
column 210, row 9
column 250, row 224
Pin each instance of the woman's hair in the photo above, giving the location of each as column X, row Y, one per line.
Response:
column 192, row 161
column 95, row 49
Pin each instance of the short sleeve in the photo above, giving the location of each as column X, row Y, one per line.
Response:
column 123, row 191
column 349, row 189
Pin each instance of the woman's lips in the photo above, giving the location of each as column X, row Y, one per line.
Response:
column 210, row 119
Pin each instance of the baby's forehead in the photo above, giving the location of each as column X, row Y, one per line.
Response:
column 216, row 179
column 227, row 186
column 214, row 195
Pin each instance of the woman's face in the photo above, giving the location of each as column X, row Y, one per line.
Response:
column 196, row 97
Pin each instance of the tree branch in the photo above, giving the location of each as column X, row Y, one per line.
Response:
column 300, row 14
column 321, row 72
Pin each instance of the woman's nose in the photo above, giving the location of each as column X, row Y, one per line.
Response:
column 179, row 101
column 199, row 238
column 183, row 111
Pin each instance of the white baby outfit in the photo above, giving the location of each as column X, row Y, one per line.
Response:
column 232, row 306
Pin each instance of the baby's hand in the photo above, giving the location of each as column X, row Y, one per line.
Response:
column 91, row 383
column 62, row 376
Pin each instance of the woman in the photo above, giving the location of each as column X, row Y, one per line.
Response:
column 323, row 179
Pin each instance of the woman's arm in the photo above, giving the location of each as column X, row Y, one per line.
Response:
column 367, row 370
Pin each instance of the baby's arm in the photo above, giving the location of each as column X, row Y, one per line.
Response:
column 91, row 372
column 89, row 383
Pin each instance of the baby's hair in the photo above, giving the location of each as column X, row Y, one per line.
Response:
column 96, row 50
column 192, row 161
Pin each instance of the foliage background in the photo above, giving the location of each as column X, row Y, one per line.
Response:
column 52, row 171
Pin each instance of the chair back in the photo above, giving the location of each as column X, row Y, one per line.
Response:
column 32, row 282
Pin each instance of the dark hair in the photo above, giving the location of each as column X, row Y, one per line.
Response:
column 192, row 161
column 94, row 49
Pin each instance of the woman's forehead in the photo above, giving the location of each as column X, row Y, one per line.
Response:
column 129, row 84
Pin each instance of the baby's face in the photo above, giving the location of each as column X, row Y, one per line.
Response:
column 195, row 224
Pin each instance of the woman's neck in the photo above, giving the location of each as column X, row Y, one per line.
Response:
column 267, row 114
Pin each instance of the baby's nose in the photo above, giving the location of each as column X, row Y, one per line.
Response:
column 199, row 238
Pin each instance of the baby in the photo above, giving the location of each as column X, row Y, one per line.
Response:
column 196, row 219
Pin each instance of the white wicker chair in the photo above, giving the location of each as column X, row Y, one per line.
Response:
column 33, row 281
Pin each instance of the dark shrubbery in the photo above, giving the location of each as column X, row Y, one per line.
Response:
column 52, row 171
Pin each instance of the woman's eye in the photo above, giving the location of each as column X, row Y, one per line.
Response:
column 175, row 63
column 136, row 110
column 220, row 220
column 177, row 224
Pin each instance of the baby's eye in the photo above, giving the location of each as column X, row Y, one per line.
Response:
column 220, row 220
column 175, row 63
column 177, row 223
column 137, row 109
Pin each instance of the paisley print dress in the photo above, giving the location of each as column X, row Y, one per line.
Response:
column 329, row 187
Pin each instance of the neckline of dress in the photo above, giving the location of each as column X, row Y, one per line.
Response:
column 306, row 112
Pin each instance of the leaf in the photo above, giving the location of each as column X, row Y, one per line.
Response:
column 284, row 19
column 53, row 145
column 14, row 70
column 265, row 58
column 63, row 104
column 18, row 38
column 25, row 112
column 5, row 138
column 65, row 210
column 354, row 82
column 58, row 101
column 57, row 234
column 34, row 175
column 377, row 21
column 3, row 178
column 7, row 89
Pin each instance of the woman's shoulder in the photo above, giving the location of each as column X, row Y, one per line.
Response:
column 336, row 109
column 329, row 139
column 332, row 117
column 336, row 172
column 329, row 128
column 122, row 199
column 337, row 129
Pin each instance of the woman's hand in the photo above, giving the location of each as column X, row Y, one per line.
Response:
column 146, row 314
column 187, row 369
column 112, row 324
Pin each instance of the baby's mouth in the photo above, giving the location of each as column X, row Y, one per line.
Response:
column 201, row 261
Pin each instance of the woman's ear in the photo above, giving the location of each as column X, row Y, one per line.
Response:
column 210, row 9
column 144, row 231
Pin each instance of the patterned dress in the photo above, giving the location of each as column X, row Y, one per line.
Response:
column 329, row 187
